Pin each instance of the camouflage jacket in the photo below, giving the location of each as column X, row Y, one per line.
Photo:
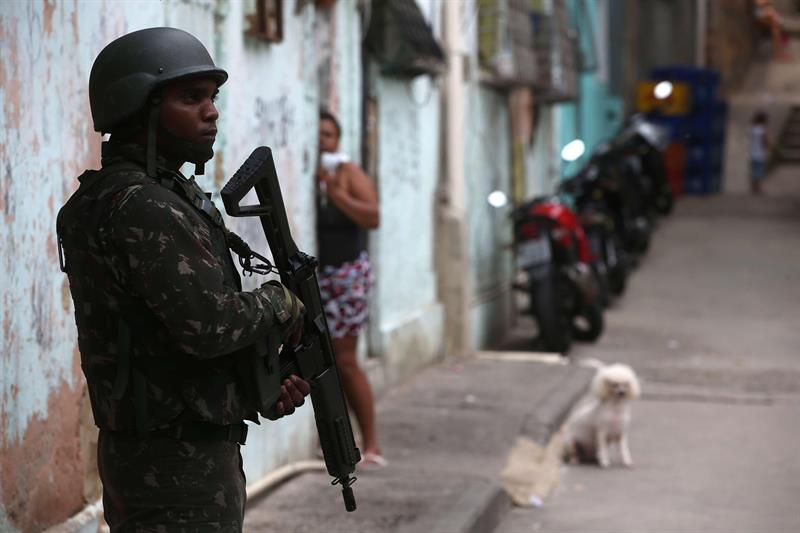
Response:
column 158, row 302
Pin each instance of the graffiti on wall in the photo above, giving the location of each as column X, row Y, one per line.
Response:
column 276, row 118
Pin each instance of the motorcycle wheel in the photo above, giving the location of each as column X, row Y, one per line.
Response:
column 617, row 273
column 617, row 280
column 640, row 241
column 664, row 203
column 554, row 325
column 588, row 325
column 603, row 285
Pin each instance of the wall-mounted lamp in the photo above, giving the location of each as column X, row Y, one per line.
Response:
column 497, row 199
column 663, row 90
column 573, row 150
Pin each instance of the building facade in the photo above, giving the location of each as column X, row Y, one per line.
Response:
column 437, row 142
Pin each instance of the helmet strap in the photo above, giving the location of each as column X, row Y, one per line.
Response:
column 152, row 128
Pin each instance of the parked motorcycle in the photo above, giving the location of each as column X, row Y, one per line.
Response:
column 611, row 264
column 643, row 144
column 554, row 261
column 619, row 187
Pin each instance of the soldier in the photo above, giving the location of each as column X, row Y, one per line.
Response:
column 165, row 331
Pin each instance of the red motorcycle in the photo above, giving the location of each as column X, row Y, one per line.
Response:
column 554, row 262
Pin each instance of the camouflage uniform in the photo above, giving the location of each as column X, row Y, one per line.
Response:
column 164, row 331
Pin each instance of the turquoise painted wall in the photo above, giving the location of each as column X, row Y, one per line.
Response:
column 598, row 114
column 46, row 140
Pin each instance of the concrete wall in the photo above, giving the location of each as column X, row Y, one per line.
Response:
column 543, row 162
column 598, row 113
column 667, row 32
column 406, row 329
column 488, row 168
column 733, row 39
column 46, row 140
column 272, row 98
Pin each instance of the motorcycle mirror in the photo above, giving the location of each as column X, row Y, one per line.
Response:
column 497, row 199
column 573, row 150
column 663, row 90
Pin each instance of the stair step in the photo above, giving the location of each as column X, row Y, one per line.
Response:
column 789, row 155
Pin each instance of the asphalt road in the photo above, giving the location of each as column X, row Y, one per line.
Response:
column 710, row 323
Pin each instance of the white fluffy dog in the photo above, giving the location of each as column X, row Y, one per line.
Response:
column 604, row 419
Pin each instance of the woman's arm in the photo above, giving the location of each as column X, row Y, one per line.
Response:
column 354, row 193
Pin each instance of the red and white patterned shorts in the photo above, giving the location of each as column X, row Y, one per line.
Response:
column 345, row 291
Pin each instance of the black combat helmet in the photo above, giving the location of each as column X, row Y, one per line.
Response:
column 128, row 69
column 124, row 81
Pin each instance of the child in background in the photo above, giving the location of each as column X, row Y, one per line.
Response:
column 759, row 148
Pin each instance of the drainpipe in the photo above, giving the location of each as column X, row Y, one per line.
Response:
column 702, row 33
column 452, row 251
column 454, row 105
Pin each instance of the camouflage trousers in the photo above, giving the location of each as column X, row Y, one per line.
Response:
column 165, row 485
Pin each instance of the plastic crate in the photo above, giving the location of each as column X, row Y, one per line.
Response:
column 708, row 125
column 704, row 155
column 703, row 82
column 701, row 182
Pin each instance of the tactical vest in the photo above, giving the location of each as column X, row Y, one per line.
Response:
column 138, row 378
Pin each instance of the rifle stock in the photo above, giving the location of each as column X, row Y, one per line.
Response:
column 313, row 359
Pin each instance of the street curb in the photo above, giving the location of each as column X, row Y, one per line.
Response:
column 478, row 510
column 452, row 431
column 553, row 407
column 493, row 502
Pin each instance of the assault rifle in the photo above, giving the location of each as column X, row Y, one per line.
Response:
column 313, row 358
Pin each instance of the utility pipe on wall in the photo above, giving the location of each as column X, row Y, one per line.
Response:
column 454, row 106
column 452, row 251
column 702, row 33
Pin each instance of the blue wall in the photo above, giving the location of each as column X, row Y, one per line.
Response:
column 598, row 114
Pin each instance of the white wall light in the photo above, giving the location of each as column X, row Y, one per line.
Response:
column 573, row 150
column 663, row 90
column 497, row 199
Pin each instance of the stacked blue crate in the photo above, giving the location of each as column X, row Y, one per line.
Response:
column 703, row 130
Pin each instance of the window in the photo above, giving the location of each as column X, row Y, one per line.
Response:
column 266, row 20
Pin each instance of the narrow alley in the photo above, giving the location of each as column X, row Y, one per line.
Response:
column 710, row 325
column 467, row 211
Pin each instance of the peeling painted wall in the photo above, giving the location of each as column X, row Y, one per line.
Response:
column 488, row 168
column 46, row 140
column 543, row 163
column 487, row 163
column 272, row 98
column 598, row 114
column 406, row 325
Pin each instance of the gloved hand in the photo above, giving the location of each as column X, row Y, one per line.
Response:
column 289, row 310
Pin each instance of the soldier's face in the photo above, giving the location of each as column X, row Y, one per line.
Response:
column 188, row 110
column 328, row 137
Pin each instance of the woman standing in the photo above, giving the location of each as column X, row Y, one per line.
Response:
column 347, row 207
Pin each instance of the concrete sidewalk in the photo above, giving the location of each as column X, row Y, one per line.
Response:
column 447, row 434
